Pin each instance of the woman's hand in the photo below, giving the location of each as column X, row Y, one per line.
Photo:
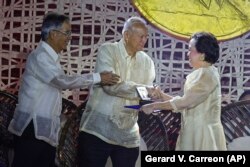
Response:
column 156, row 107
column 147, row 108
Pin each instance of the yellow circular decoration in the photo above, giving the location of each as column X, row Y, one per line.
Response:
column 226, row 19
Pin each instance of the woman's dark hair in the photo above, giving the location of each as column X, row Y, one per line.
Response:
column 206, row 43
column 52, row 21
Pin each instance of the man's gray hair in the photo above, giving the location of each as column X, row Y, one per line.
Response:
column 132, row 20
column 52, row 21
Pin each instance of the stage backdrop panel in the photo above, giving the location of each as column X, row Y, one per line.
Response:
column 95, row 22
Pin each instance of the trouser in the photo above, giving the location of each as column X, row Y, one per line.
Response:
column 31, row 152
column 94, row 152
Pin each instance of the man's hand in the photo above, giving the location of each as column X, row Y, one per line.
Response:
column 109, row 78
column 154, row 92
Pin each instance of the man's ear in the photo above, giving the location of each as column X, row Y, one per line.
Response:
column 126, row 35
column 52, row 34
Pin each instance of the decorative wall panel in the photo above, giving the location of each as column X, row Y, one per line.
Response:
column 95, row 22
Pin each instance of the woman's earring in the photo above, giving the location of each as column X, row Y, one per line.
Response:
column 202, row 58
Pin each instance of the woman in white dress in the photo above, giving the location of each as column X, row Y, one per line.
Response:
column 200, row 105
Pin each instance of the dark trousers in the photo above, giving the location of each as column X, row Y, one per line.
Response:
column 31, row 152
column 94, row 152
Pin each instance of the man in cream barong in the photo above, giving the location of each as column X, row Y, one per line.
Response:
column 108, row 129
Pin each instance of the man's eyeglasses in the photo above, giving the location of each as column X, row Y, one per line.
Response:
column 67, row 33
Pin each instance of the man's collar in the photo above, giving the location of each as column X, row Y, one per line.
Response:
column 50, row 50
column 122, row 47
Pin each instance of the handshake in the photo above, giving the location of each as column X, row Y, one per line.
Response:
column 155, row 92
column 156, row 100
column 148, row 96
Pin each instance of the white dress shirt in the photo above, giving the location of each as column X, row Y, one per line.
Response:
column 40, row 98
